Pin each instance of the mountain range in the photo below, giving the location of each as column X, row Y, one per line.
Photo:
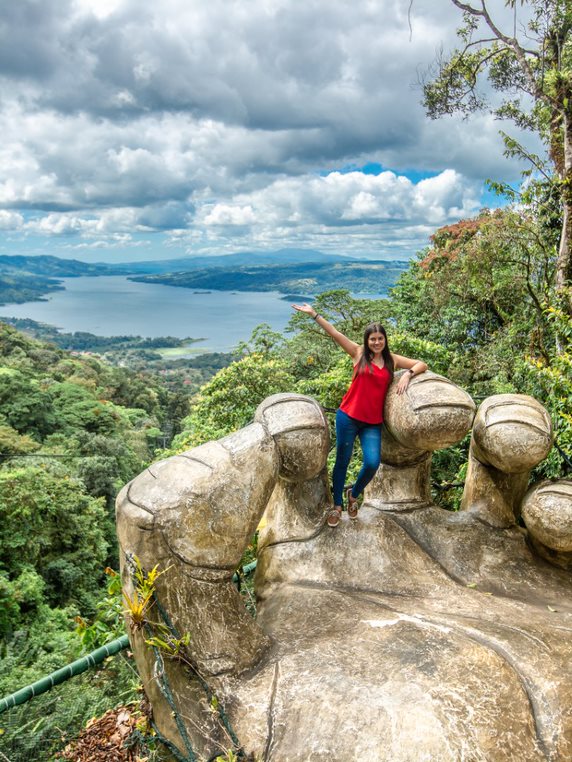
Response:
column 301, row 271
column 367, row 277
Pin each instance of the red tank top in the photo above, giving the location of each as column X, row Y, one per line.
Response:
column 365, row 398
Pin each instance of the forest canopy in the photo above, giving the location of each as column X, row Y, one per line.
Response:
column 529, row 66
column 479, row 305
column 487, row 304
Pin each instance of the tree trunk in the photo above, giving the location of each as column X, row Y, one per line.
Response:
column 564, row 261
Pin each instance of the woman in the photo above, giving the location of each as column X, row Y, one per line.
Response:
column 361, row 410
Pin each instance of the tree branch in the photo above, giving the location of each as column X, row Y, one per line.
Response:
column 520, row 150
column 480, row 42
column 486, row 40
column 513, row 44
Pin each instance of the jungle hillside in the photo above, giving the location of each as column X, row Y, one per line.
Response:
column 487, row 303
column 480, row 305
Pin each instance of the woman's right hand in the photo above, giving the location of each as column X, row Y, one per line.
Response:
column 307, row 308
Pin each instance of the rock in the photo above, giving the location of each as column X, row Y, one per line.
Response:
column 432, row 414
column 547, row 513
column 413, row 633
column 512, row 433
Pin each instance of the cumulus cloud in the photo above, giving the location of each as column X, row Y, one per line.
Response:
column 10, row 220
column 225, row 214
column 109, row 222
column 215, row 120
column 371, row 207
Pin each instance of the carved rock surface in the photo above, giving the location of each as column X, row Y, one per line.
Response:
column 410, row 634
column 432, row 414
column 547, row 513
column 512, row 433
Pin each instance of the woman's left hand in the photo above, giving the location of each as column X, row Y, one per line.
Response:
column 403, row 382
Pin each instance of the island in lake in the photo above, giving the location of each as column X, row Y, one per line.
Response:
column 289, row 271
column 357, row 276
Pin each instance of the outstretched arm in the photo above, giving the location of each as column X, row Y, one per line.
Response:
column 346, row 344
column 413, row 368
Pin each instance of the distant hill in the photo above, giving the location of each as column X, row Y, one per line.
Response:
column 16, row 288
column 239, row 259
column 358, row 276
column 29, row 279
column 54, row 267
column 302, row 271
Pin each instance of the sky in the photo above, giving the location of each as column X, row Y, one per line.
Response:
column 139, row 130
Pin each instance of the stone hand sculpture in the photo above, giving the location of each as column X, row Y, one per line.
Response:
column 413, row 633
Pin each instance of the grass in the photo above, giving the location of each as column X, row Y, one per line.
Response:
column 180, row 352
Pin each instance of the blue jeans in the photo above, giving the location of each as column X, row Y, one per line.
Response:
column 347, row 429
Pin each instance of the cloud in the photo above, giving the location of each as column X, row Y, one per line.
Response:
column 10, row 220
column 376, row 215
column 222, row 119
column 339, row 199
column 113, row 223
column 372, row 212
column 225, row 214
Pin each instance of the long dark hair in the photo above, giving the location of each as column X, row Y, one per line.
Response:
column 367, row 355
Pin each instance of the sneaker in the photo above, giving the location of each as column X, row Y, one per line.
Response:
column 334, row 516
column 352, row 504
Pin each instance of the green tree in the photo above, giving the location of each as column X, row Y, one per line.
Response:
column 311, row 352
column 482, row 291
column 228, row 401
column 12, row 443
column 49, row 524
column 532, row 62
column 24, row 404
column 67, row 443
column 551, row 382
column 104, row 463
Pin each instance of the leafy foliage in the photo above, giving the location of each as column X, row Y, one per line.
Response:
column 229, row 400
column 480, row 306
column 108, row 622
column 483, row 284
column 550, row 380
column 532, row 70
column 51, row 526
column 485, row 290
column 72, row 431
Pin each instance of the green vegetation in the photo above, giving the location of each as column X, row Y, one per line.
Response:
column 55, row 267
column 82, row 341
column 531, row 68
column 511, row 329
column 16, row 288
column 28, row 278
column 72, row 431
column 181, row 366
column 358, row 276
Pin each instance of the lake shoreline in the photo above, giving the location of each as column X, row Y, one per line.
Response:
column 112, row 306
column 115, row 306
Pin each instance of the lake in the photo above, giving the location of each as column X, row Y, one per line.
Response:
column 115, row 306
